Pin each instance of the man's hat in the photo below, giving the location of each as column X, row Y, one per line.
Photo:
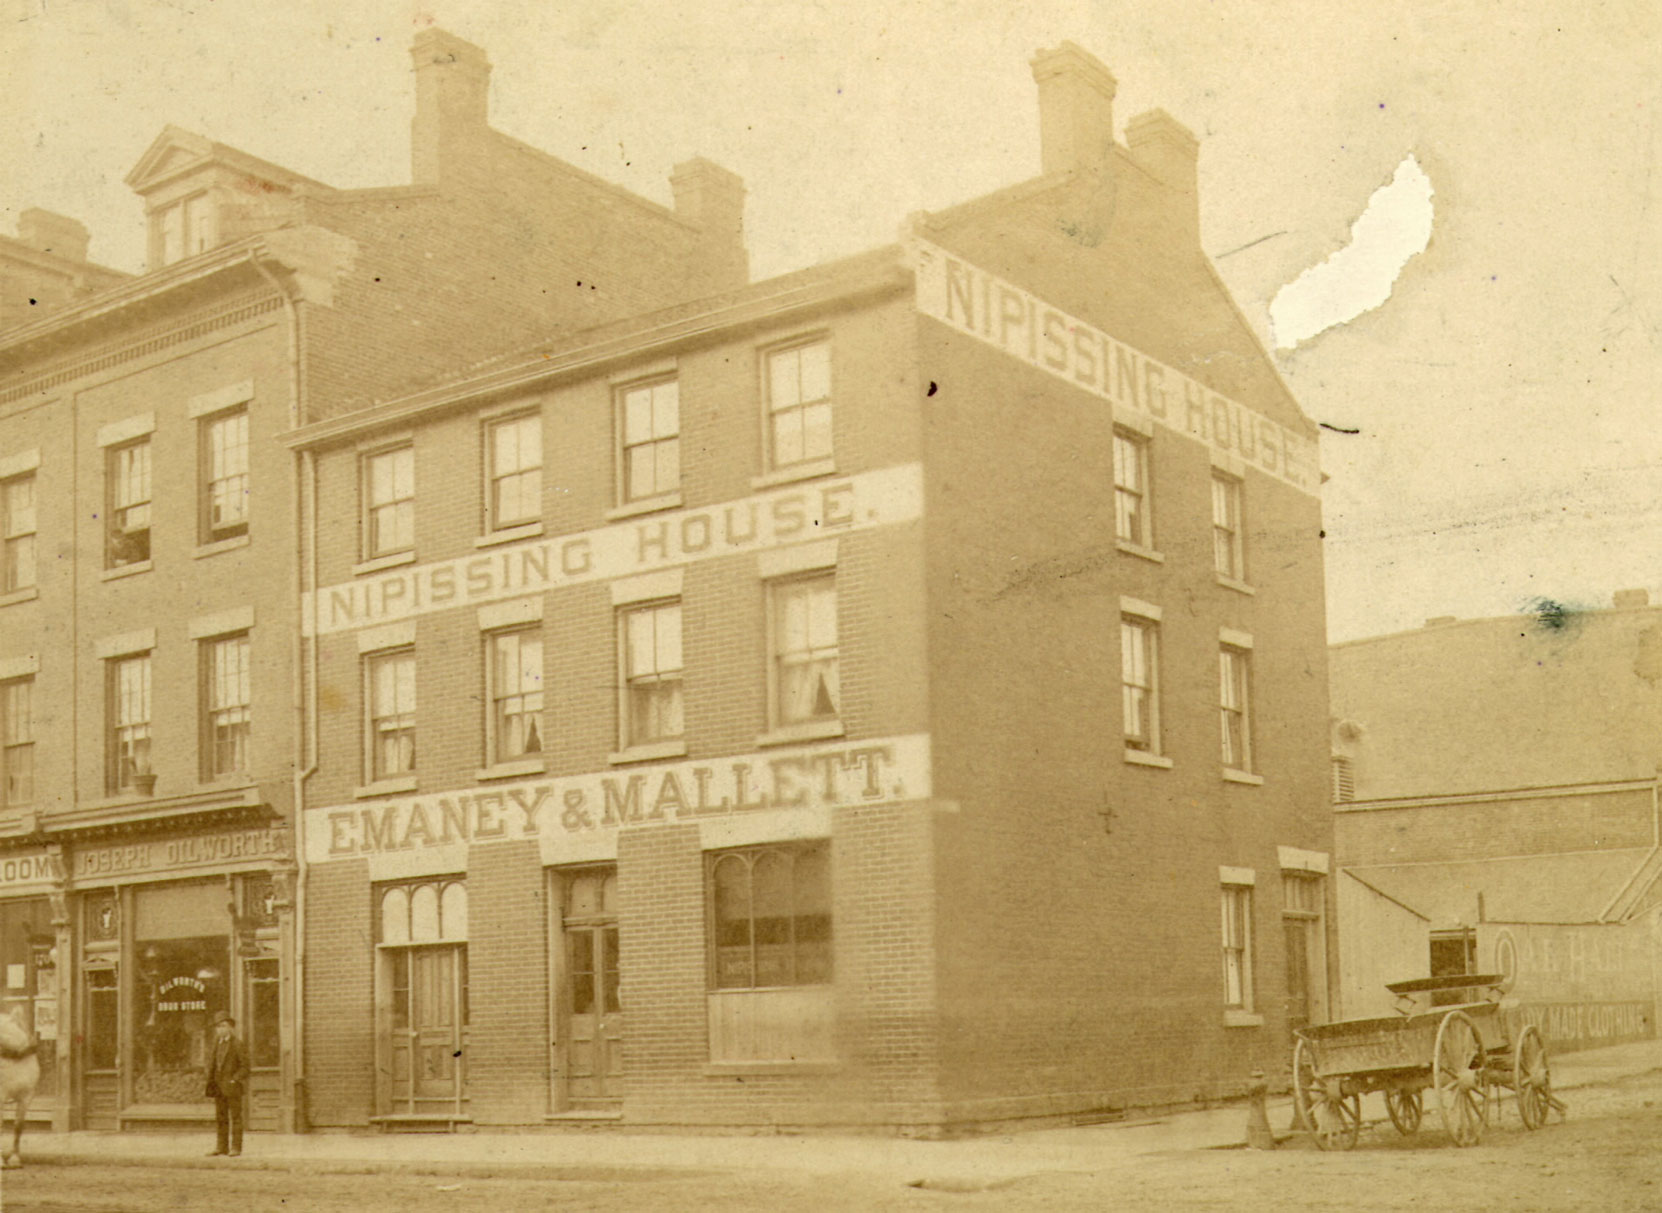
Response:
column 223, row 1017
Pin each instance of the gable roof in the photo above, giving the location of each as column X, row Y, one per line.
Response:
column 1577, row 887
column 177, row 150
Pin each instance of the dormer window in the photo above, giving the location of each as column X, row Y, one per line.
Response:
column 183, row 228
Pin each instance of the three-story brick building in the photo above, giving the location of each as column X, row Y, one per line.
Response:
column 893, row 693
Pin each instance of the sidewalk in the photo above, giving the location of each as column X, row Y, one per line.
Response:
column 597, row 1155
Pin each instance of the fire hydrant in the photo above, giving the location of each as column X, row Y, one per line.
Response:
column 1259, row 1136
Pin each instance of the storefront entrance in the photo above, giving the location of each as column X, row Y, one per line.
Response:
column 29, row 991
column 588, row 1011
column 423, row 1001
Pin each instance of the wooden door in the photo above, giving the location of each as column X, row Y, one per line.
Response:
column 1298, row 973
column 426, row 1030
column 592, row 1010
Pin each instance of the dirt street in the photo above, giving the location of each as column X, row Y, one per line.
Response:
column 1605, row 1156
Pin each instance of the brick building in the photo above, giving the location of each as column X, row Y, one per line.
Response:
column 1499, row 779
column 893, row 693
column 149, row 605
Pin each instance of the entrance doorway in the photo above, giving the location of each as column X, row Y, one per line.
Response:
column 422, row 1004
column 588, row 1009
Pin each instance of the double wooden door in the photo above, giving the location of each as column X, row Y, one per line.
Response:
column 589, row 1008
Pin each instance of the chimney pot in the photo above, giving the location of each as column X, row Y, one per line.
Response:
column 1076, row 109
column 53, row 233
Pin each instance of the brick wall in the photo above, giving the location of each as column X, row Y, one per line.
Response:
column 339, row 1012
column 507, row 959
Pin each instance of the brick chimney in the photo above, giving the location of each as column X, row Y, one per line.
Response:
column 53, row 233
column 1168, row 151
column 452, row 93
column 712, row 199
column 1076, row 109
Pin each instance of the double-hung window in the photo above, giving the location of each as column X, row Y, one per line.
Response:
column 17, row 533
column 389, row 502
column 513, row 456
column 226, row 705
column 1237, row 940
column 1132, row 523
column 515, row 694
column 17, row 742
column 1227, row 545
column 129, row 503
column 649, row 440
column 649, row 637
column 1140, row 682
column 129, row 681
column 1235, row 706
column 390, row 716
column 225, row 475
column 806, row 684
column 798, row 386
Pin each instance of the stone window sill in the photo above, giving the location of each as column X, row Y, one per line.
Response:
column 385, row 787
column 797, row 471
column 27, row 594
column 1143, row 758
column 1231, row 775
column 1235, row 583
column 1233, row 1018
column 646, row 505
column 511, row 770
column 378, row 563
column 1137, row 549
column 813, row 730
column 220, row 545
column 507, row 534
column 127, row 570
column 648, row 753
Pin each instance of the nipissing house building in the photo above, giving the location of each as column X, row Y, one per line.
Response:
column 889, row 694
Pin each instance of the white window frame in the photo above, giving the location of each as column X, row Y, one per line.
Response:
column 227, row 703
column 183, row 228
column 402, row 715
column 131, row 495
column 525, row 475
column 665, row 674
column 1228, row 528
column 661, row 397
column 1238, row 939
column 779, row 590
column 402, row 507
column 19, row 525
column 17, row 742
column 530, row 702
column 1133, row 500
column 1235, row 707
column 777, row 405
column 1140, row 638
column 234, row 478
column 131, row 719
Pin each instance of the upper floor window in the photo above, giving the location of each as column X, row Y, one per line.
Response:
column 1235, row 686
column 514, row 471
column 1131, row 512
column 1226, row 526
column 226, row 713
column 390, row 695
column 649, row 429
column 514, row 690
column 799, row 404
column 17, row 533
column 129, row 503
column 1237, row 947
column 650, row 637
column 807, row 686
column 389, row 501
column 129, row 752
column 770, row 917
column 1140, row 682
column 225, row 475
column 184, row 228
column 17, row 742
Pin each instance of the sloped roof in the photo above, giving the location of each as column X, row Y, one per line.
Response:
column 177, row 150
column 1578, row 887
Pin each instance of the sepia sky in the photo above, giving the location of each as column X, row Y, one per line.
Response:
column 1506, row 392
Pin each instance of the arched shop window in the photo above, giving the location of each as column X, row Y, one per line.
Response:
column 433, row 911
column 771, row 917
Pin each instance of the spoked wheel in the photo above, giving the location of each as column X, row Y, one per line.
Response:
column 1406, row 1108
column 1531, row 1079
column 1333, row 1120
column 1457, row 1075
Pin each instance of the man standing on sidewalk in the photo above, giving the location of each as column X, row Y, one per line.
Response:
column 227, row 1072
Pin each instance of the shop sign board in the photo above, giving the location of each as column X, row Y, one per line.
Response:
column 190, row 851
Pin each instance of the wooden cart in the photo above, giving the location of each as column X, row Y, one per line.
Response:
column 1468, row 1053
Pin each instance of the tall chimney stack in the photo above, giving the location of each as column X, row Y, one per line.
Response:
column 1076, row 109
column 452, row 95
column 711, row 198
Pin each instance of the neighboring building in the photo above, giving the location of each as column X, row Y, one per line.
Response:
column 1498, row 779
column 149, row 580
column 889, row 694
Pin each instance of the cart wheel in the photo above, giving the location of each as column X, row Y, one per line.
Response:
column 1334, row 1121
column 1531, row 1078
column 1407, row 1109
column 1457, row 1075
